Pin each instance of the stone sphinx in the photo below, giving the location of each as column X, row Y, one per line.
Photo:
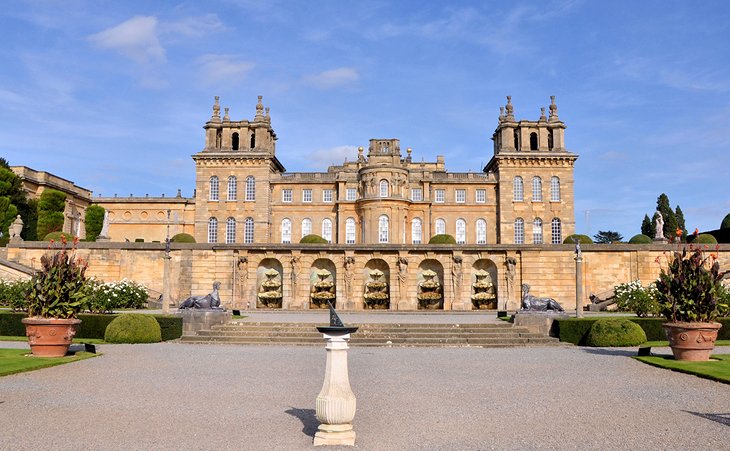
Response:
column 536, row 304
column 210, row 301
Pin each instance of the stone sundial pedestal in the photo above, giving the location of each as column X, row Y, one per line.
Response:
column 335, row 405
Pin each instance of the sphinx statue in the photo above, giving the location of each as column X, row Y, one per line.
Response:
column 210, row 301
column 536, row 304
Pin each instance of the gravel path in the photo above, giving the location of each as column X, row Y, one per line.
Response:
column 179, row 396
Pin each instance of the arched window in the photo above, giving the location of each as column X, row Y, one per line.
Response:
column 250, row 188
column 481, row 231
column 518, row 190
column 416, row 231
column 248, row 230
column 350, row 231
column 554, row 189
column 214, row 188
column 440, row 227
column 383, row 229
column 533, row 141
column 517, row 140
column 384, row 188
column 460, row 231
column 232, row 187
column 550, row 140
column 230, row 230
column 536, row 189
column 234, row 141
column 537, row 231
column 212, row 230
column 253, row 140
column 327, row 229
column 306, row 227
column 557, row 231
column 286, row 230
column 519, row 231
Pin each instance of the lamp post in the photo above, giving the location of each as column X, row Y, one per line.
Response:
column 578, row 281
column 166, row 270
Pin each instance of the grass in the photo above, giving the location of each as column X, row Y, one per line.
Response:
column 716, row 370
column 92, row 341
column 659, row 344
column 14, row 361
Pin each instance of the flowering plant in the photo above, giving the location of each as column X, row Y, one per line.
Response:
column 106, row 297
column 688, row 288
column 634, row 297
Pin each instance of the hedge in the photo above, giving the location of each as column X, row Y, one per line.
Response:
column 92, row 326
column 575, row 330
column 133, row 328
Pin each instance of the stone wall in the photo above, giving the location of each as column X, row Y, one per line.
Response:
column 548, row 269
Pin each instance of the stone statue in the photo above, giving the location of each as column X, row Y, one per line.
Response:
column 242, row 274
column 659, row 226
column 349, row 263
column 402, row 275
column 532, row 303
column 105, row 225
column 210, row 301
column 15, row 228
column 456, row 275
column 295, row 266
column 511, row 264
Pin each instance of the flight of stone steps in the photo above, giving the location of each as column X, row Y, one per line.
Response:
column 425, row 335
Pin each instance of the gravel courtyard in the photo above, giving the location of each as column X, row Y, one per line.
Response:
column 177, row 396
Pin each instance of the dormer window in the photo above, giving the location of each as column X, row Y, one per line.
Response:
column 384, row 188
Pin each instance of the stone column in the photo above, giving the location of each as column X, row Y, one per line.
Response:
column 578, row 284
column 166, row 282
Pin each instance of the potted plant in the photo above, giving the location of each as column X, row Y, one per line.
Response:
column 688, row 291
column 54, row 299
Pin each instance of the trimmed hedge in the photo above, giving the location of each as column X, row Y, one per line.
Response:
column 133, row 328
column 92, row 326
column 443, row 238
column 575, row 330
column 582, row 239
column 640, row 239
column 615, row 332
column 182, row 238
column 313, row 239
column 56, row 236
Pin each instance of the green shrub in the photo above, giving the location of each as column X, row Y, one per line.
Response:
column 575, row 330
column 50, row 212
column 313, row 239
column 105, row 297
column 583, row 239
column 182, row 238
column 725, row 224
column 171, row 326
column 12, row 294
column 94, row 221
column 633, row 297
column 57, row 236
column 443, row 238
column 640, row 239
column 615, row 332
column 705, row 238
column 10, row 324
column 133, row 328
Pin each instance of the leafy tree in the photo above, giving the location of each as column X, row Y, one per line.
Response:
column 12, row 197
column 652, row 233
column 725, row 222
column 646, row 227
column 50, row 212
column 608, row 237
column 94, row 221
column 670, row 220
column 680, row 222
column 4, row 163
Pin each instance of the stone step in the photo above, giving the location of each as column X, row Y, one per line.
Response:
column 367, row 340
column 372, row 334
column 378, row 343
column 503, row 325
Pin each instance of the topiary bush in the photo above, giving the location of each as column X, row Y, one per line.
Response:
column 640, row 239
column 133, row 328
column 582, row 239
column 57, row 236
column 705, row 238
column 313, row 239
column 725, row 222
column 94, row 221
column 50, row 212
column 442, row 238
column 182, row 238
column 615, row 332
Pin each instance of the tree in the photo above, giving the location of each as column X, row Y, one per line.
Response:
column 725, row 222
column 670, row 220
column 94, row 221
column 647, row 228
column 50, row 212
column 12, row 199
column 680, row 222
column 652, row 235
column 607, row 237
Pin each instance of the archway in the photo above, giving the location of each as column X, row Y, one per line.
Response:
column 322, row 283
column 430, row 283
column 376, row 286
column 269, row 284
column 484, row 293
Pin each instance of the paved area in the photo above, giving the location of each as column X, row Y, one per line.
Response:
column 218, row 397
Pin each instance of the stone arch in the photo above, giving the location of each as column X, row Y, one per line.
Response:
column 489, row 299
column 330, row 283
column 269, row 300
column 424, row 300
column 376, row 264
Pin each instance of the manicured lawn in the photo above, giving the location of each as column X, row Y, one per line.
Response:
column 717, row 370
column 19, row 360
column 93, row 341
column 659, row 344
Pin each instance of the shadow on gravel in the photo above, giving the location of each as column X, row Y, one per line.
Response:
column 308, row 417
column 615, row 352
column 722, row 418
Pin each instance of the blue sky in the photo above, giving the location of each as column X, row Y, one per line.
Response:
column 113, row 95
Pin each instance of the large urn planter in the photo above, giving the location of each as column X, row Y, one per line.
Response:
column 692, row 342
column 50, row 337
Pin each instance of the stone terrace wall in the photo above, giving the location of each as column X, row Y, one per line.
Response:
column 548, row 269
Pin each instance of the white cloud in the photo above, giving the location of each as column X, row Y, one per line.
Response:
column 333, row 78
column 135, row 38
column 193, row 26
column 223, row 68
column 322, row 158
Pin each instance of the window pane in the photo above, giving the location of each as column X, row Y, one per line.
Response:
column 383, row 229
column 306, row 227
column 286, row 231
column 383, row 188
column 537, row 231
column 416, row 231
column 518, row 189
column 232, row 187
column 440, row 228
column 351, row 194
column 481, row 231
column 350, row 231
column 250, row 188
column 286, row 195
column 230, row 231
column 555, row 189
column 557, row 232
column 519, row 231
column 214, row 188
column 307, row 195
column 481, row 196
column 537, row 189
column 327, row 230
column 460, row 231
column 327, row 195
column 460, row 195
column 212, row 230
column 248, row 231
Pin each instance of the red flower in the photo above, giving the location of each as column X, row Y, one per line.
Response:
column 697, row 232
column 679, row 231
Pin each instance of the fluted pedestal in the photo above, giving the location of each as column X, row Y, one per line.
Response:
column 336, row 402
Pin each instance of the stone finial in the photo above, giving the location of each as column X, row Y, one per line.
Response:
column 553, row 109
column 225, row 114
column 501, row 114
column 268, row 116
column 542, row 114
column 179, row 193
column 509, row 109
column 216, row 109
column 260, row 108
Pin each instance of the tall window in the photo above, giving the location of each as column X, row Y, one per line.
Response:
column 306, row 227
column 519, row 231
column 481, row 196
column 384, row 188
column 212, row 230
column 306, row 195
column 460, row 231
column 537, row 231
column 440, row 227
column 536, row 189
column 286, row 195
column 232, row 187
column 557, row 231
column 440, row 196
column 248, row 231
column 518, row 191
column 327, row 229
column 350, row 231
column 460, row 196
column 416, row 231
column 327, row 195
column 250, row 188
column 383, row 229
column 554, row 189
column 214, row 188
column 286, row 231
column 416, row 194
column 230, row 230
column 351, row 194
column 234, row 141
column 481, row 231
column 533, row 141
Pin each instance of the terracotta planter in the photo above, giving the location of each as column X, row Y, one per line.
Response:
column 50, row 337
column 692, row 341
